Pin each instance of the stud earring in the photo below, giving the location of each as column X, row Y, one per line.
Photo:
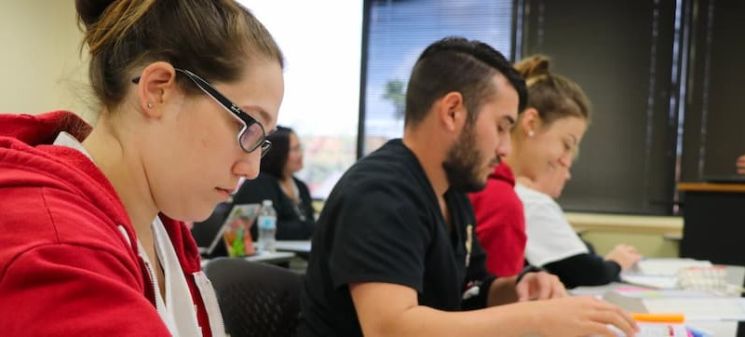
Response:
column 531, row 133
column 149, row 105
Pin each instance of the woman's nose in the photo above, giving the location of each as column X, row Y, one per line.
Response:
column 566, row 160
column 249, row 165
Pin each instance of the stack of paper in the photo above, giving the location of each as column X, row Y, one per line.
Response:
column 666, row 267
column 660, row 273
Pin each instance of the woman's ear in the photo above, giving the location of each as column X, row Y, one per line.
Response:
column 530, row 122
column 157, row 84
column 451, row 111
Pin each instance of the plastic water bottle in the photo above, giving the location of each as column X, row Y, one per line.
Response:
column 267, row 227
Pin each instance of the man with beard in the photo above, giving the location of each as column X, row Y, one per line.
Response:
column 394, row 253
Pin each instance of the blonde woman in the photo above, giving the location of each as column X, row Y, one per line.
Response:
column 517, row 216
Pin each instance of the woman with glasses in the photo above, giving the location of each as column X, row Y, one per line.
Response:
column 91, row 231
column 518, row 219
column 276, row 182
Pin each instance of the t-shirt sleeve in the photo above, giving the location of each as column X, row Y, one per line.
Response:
column 69, row 290
column 585, row 270
column 380, row 236
column 550, row 236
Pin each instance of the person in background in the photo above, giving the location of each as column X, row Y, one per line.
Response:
column 92, row 242
column 276, row 182
column 522, row 221
column 393, row 253
column 740, row 164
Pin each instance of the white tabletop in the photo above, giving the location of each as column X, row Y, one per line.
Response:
column 268, row 257
column 264, row 257
column 735, row 275
column 299, row 246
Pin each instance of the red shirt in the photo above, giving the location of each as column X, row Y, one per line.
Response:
column 68, row 252
column 500, row 223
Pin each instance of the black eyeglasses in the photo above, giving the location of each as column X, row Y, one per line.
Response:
column 252, row 135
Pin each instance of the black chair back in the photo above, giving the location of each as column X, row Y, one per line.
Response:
column 256, row 300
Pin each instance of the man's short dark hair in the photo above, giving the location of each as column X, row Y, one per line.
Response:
column 455, row 64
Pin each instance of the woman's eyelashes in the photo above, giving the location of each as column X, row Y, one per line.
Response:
column 570, row 145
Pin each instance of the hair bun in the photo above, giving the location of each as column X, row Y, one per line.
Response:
column 89, row 11
column 534, row 66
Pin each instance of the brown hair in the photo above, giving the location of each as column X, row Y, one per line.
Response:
column 275, row 160
column 212, row 38
column 554, row 96
column 457, row 64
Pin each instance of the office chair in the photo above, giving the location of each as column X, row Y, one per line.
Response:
column 256, row 300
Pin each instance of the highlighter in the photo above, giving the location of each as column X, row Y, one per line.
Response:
column 659, row 318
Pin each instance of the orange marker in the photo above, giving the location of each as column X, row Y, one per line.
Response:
column 658, row 318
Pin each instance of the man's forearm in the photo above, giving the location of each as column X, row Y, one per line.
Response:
column 514, row 320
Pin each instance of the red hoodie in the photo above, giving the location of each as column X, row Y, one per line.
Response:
column 68, row 253
column 500, row 223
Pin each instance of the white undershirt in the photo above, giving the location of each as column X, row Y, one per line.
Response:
column 177, row 311
column 550, row 236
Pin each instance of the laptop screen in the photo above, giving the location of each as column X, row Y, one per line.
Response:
column 205, row 233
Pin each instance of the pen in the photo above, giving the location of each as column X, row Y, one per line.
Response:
column 698, row 332
column 659, row 318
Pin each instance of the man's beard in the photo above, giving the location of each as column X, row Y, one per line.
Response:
column 462, row 164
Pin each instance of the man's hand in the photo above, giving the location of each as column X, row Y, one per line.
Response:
column 580, row 316
column 539, row 286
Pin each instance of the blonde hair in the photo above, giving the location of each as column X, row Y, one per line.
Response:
column 554, row 96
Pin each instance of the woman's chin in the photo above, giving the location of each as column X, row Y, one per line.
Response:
column 195, row 214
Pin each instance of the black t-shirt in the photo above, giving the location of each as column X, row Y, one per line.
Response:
column 382, row 223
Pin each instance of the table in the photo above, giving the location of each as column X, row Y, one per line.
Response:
column 735, row 275
column 295, row 246
column 264, row 257
column 277, row 257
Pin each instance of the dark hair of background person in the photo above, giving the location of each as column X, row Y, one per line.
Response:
column 554, row 96
column 215, row 39
column 455, row 64
column 275, row 160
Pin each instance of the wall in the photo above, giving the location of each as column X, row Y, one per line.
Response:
column 40, row 66
column 649, row 245
column 653, row 236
